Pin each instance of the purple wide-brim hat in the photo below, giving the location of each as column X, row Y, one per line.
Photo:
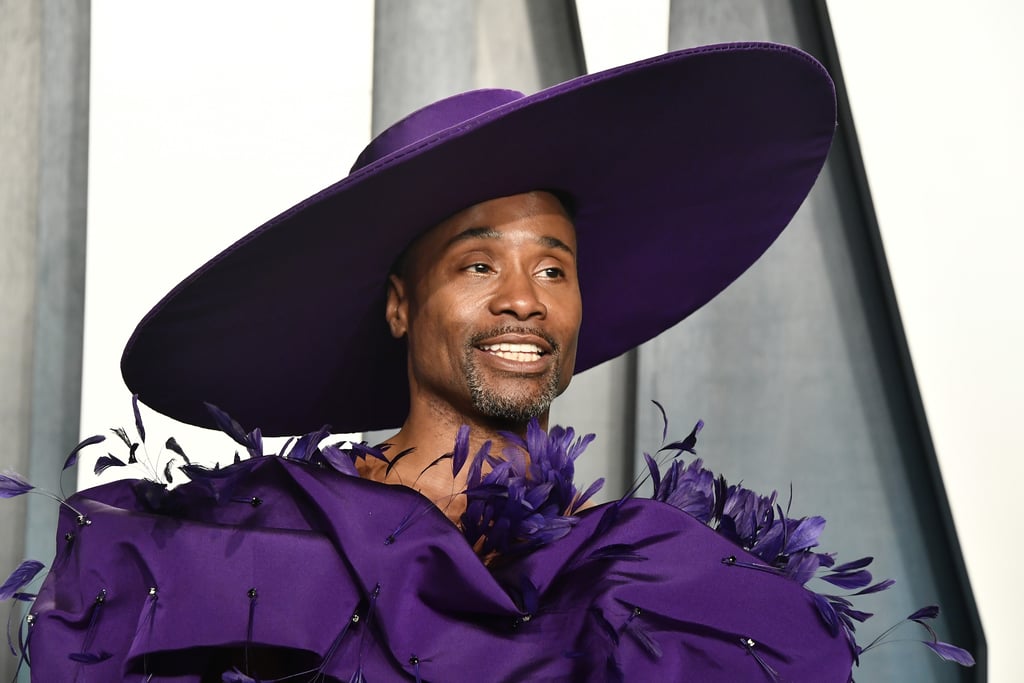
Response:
column 680, row 171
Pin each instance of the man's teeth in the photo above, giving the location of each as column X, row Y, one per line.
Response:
column 517, row 352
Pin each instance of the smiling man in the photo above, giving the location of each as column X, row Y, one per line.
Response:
column 489, row 304
column 439, row 289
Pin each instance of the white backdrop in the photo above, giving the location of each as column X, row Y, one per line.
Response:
column 209, row 118
column 206, row 120
column 937, row 96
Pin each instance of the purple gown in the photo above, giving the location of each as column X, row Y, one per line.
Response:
column 323, row 573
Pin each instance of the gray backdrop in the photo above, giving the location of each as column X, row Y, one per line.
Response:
column 44, row 114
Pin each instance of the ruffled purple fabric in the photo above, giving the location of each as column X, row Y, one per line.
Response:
column 281, row 562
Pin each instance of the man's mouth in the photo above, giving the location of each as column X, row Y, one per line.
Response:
column 522, row 353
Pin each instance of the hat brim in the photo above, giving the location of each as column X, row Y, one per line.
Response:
column 682, row 170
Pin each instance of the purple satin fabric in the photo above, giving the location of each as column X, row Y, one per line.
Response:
column 353, row 575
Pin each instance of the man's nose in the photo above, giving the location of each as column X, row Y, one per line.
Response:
column 518, row 295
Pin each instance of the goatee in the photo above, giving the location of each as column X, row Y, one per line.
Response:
column 521, row 404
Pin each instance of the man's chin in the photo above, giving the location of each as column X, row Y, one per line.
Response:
column 511, row 397
column 515, row 408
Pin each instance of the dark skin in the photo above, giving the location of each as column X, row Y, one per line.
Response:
column 489, row 303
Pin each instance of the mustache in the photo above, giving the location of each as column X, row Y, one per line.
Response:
column 514, row 329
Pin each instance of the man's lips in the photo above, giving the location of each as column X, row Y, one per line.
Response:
column 516, row 346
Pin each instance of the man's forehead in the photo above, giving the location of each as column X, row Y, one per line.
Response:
column 485, row 220
column 490, row 233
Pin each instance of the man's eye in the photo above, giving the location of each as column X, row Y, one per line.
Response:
column 553, row 273
column 479, row 268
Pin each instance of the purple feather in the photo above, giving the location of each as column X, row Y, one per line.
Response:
column 284, row 453
column 108, row 460
column 827, row 613
column 608, row 518
column 951, row 653
column 476, row 466
column 664, row 420
column 305, row 447
column 688, row 444
column 850, row 580
column 643, row 638
column 858, row 615
column 139, row 427
column 588, row 494
column 89, row 657
column 652, row 467
column 784, row 544
column 123, row 435
column 73, row 455
column 20, row 577
column 394, row 460
column 617, row 551
column 13, row 484
column 805, row 535
column 227, row 424
column 172, row 445
column 928, row 612
column 202, row 472
column 363, row 449
column 10, row 641
column 436, row 461
column 878, row 587
column 339, row 460
column 802, row 566
column 461, row 451
column 856, row 564
column 254, row 443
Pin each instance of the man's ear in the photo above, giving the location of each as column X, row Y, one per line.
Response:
column 397, row 309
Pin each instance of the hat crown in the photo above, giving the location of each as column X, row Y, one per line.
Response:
column 433, row 119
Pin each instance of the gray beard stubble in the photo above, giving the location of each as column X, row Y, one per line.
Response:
column 514, row 408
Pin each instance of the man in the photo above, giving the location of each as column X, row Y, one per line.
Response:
column 478, row 228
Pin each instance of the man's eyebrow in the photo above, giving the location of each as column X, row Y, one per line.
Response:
column 555, row 243
column 484, row 232
column 472, row 234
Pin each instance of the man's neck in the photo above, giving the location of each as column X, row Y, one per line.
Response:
column 430, row 436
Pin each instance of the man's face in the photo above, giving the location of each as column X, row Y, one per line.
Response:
column 490, row 302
